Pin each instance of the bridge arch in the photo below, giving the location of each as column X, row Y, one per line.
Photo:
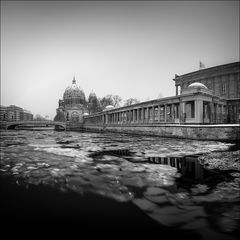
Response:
column 59, row 125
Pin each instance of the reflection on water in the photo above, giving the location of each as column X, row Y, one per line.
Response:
column 189, row 166
column 163, row 177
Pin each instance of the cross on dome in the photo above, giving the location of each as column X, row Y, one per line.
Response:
column 74, row 80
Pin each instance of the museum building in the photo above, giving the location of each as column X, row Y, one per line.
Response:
column 222, row 80
column 207, row 96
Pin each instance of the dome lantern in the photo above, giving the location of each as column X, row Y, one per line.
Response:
column 74, row 80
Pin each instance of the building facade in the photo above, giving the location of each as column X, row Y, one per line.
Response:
column 73, row 106
column 196, row 105
column 223, row 81
column 217, row 102
column 14, row 113
column 194, row 114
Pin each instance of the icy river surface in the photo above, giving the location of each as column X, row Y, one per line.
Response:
column 161, row 176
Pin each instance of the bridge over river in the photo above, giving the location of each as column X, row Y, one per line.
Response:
column 14, row 124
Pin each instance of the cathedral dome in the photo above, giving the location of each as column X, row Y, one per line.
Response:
column 197, row 85
column 74, row 94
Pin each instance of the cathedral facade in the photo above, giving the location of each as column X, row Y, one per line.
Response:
column 74, row 105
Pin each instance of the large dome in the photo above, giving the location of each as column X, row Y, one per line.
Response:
column 197, row 85
column 73, row 94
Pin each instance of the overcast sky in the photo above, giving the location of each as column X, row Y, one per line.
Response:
column 132, row 49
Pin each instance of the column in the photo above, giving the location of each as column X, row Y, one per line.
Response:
column 144, row 114
column 158, row 113
column 211, row 114
column 172, row 113
column 165, row 113
column 182, row 112
column 153, row 113
column 198, row 111
column 147, row 120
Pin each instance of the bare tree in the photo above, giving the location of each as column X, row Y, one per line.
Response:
column 105, row 101
column 116, row 100
column 131, row 101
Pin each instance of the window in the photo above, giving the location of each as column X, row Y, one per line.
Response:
column 224, row 88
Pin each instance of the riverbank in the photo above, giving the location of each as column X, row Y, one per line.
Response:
column 217, row 132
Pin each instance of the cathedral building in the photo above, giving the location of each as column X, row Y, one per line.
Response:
column 73, row 106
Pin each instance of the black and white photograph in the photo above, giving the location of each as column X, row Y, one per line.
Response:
column 120, row 119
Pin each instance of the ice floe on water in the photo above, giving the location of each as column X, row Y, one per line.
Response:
column 168, row 188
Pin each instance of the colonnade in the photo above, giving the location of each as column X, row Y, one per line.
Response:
column 145, row 114
column 184, row 111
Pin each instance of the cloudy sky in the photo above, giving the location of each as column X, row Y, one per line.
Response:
column 132, row 49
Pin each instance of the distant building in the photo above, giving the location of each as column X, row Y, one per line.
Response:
column 14, row 113
column 73, row 105
column 27, row 115
column 223, row 81
column 3, row 113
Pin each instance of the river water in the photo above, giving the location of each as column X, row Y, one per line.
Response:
column 152, row 173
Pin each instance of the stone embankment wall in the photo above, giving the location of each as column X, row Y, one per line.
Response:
column 199, row 132
column 73, row 126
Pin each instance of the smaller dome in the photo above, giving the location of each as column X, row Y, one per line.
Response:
column 109, row 107
column 197, row 85
column 92, row 94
